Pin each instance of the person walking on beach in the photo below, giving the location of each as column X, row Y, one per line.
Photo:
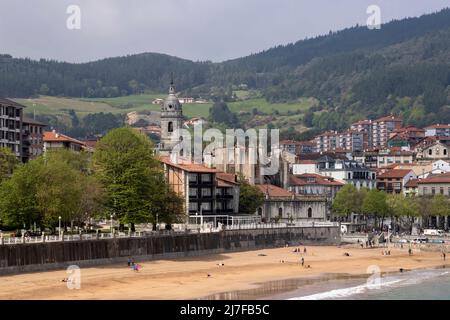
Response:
column 303, row 261
column 443, row 255
column 129, row 261
column 410, row 251
column 304, row 250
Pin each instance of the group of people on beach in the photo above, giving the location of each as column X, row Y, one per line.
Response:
column 302, row 260
column 134, row 266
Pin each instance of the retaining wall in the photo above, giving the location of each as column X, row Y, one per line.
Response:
column 46, row 256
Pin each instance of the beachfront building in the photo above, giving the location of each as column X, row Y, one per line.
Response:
column 432, row 185
column 206, row 191
column 281, row 205
column 32, row 138
column 11, row 114
column 315, row 185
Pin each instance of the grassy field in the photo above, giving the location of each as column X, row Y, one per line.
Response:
column 61, row 106
column 262, row 105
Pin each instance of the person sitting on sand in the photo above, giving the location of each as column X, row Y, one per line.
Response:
column 346, row 254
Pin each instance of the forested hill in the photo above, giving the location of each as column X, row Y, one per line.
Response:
column 404, row 67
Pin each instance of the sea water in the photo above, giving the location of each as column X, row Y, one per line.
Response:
column 429, row 284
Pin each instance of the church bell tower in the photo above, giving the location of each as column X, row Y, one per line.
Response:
column 171, row 121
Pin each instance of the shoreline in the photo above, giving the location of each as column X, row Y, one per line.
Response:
column 187, row 278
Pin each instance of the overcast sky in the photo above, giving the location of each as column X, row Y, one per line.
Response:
column 194, row 29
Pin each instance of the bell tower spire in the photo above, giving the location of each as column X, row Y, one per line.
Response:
column 171, row 120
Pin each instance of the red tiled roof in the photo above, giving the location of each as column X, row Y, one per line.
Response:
column 302, row 179
column 306, row 161
column 55, row 137
column 412, row 183
column 188, row 166
column 274, row 191
column 438, row 126
column 227, row 177
column 438, row 178
column 395, row 173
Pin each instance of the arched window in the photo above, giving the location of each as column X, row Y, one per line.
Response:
column 430, row 152
column 349, row 176
column 280, row 212
column 445, row 152
column 260, row 211
column 170, row 127
column 309, row 212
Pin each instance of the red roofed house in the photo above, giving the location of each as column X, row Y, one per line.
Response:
column 394, row 180
column 54, row 140
column 282, row 205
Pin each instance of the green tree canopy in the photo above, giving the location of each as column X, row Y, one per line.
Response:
column 132, row 177
column 250, row 197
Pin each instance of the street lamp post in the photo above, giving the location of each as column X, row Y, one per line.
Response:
column 59, row 227
column 111, row 225
column 157, row 221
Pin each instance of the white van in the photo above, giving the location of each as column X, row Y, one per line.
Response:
column 433, row 232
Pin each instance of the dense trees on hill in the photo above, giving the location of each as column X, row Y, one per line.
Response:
column 354, row 73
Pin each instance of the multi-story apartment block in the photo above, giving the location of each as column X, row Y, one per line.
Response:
column 438, row 130
column 33, row 139
column 11, row 114
column 298, row 147
column 352, row 140
column 364, row 126
column 206, row 191
column 327, row 141
column 382, row 129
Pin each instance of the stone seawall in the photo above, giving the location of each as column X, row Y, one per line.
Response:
column 58, row 255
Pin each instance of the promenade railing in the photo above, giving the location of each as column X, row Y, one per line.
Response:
column 205, row 228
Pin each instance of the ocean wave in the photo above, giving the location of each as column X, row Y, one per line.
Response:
column 400, row 280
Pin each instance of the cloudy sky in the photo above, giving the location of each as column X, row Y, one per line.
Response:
column 194, row 29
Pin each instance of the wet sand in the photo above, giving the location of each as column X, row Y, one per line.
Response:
column 188, row 278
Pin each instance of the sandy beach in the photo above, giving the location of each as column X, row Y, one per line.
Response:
column 188, row 278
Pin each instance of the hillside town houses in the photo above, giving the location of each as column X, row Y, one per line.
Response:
column 371, row 154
